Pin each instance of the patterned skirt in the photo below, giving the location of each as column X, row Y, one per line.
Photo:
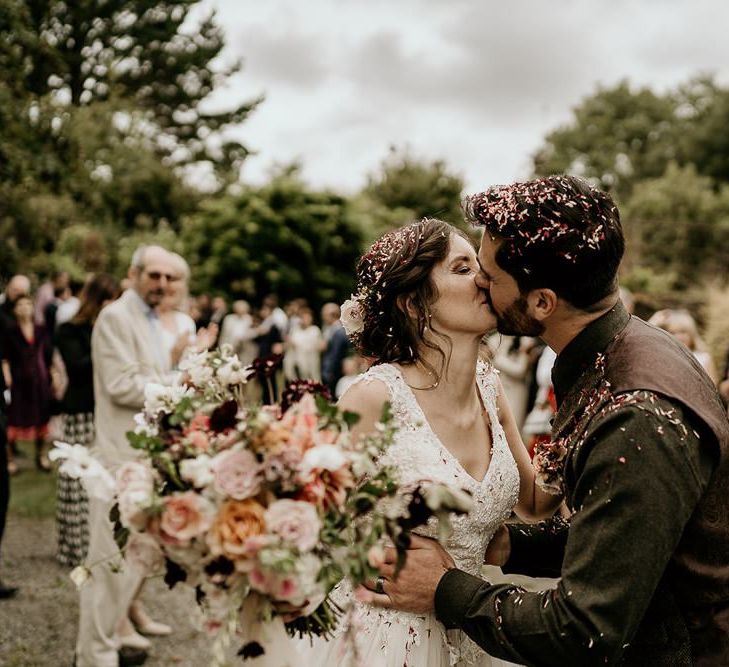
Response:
column 72, row 504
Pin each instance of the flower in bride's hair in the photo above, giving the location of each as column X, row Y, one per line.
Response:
column 352, row 315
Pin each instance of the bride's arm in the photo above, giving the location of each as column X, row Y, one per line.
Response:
column 533, row 503
column 367, row 400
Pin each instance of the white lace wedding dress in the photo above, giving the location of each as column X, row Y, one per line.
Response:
column 387, row 638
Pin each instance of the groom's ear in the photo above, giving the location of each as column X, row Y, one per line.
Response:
column 542, row 303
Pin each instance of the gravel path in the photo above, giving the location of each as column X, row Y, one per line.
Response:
column 38, row 627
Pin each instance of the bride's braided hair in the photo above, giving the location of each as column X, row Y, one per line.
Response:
column 395, row 292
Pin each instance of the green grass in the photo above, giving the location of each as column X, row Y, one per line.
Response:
column 32, row 492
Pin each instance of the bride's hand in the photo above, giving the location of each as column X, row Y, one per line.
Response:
column 499, row 548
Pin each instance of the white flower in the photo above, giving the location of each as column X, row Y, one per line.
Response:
column 134, row 501
column 197, row 368
column 143, row 427
column 160, row 398
column 232, row 373
column 323, row 457
column 352, row 316
column 79, row 575
column 79, row 463
column 197, row 471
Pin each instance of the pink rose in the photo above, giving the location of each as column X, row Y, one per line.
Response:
column 143, row 552
column 295, row 522
column 184, row 517
column 134, row 472
column 237, row 474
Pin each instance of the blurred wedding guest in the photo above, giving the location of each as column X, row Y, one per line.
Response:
column 277, row 314
column 219, row 311
column 18, row 285
column 682, row 326
column 5, row 590
column 237, row 331
column 511, row 357
column 287, row 327
column 335, row 346
column 177, row 327
column 27, row 362
column 126, row 353
column 203, row 311
column 69, row 307
column 57, row 282
column 351, row 368
column 269, row 341
column 73, row 341
column 538, row 423
column 305, row 344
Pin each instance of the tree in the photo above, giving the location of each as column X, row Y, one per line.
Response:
column 679, row 225
column 281, row 238
column 406, row 189
column 147, row 53
column 617, row 137
column 99, row 112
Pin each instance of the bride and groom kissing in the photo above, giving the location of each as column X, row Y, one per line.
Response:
column 640, row 451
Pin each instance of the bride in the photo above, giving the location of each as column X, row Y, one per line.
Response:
column 421, row 317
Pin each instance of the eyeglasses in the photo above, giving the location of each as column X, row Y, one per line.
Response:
column 158, row 275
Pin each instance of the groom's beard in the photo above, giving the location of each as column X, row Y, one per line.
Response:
column 515, row 321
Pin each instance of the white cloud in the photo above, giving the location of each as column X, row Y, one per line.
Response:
column 478, row 83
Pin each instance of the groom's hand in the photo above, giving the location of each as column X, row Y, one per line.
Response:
column 414, row 588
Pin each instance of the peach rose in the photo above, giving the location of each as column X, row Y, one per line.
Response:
column 236, row 522
column 184, row 517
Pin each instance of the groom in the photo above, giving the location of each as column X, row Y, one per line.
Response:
column 644, row 567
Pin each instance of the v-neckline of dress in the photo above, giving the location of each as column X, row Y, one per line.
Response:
column 442, row 446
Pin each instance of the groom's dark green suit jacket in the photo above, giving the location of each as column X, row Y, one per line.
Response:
column 644, row 563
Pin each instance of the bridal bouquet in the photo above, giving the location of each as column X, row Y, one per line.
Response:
column 255, row 506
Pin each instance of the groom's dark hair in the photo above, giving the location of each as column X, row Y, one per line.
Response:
column 556, row 232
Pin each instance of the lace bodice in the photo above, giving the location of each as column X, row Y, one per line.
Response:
column 419, row 454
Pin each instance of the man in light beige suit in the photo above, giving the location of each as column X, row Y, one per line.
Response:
column 127, row 354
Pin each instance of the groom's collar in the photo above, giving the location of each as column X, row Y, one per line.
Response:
column 583, row 349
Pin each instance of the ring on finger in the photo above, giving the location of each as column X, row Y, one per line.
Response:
column 380, row 585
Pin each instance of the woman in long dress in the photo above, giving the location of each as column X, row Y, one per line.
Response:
column 420, row 314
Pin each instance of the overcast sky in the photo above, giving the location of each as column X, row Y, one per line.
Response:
column 477, row 83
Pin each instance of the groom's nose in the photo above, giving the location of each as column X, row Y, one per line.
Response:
column 482, row 280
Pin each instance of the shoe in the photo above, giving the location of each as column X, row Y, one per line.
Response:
column 129, row 656
column 7, row 592
column 134, row 640
column 144, row 623
column 154, row 628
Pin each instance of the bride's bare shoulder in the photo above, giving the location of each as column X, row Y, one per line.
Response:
column 366, row 397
